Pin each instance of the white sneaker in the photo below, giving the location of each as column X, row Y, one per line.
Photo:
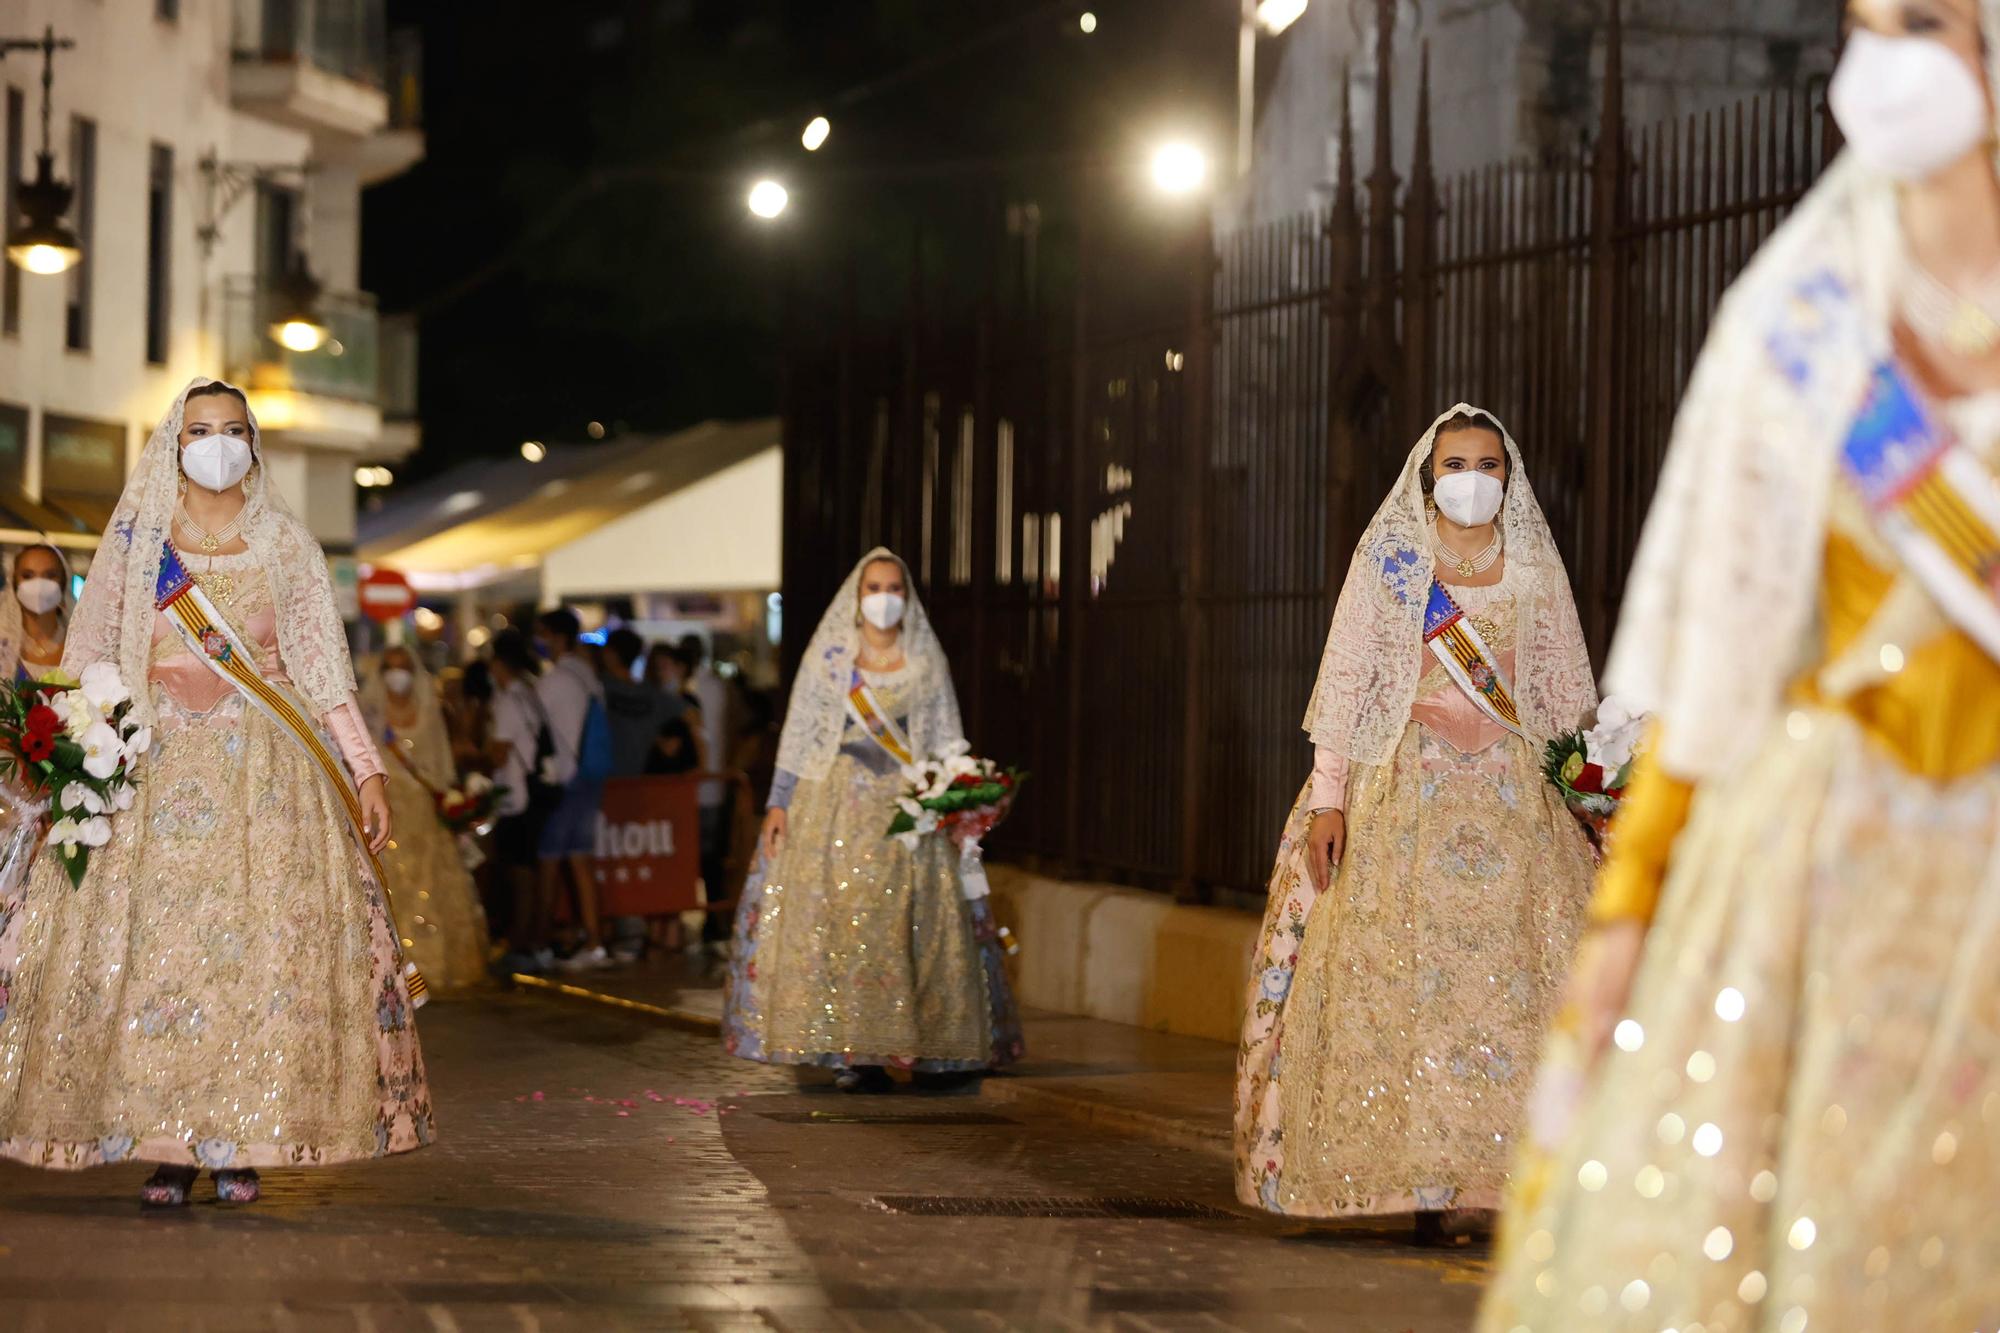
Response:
column 586, row 960
column 545, row 958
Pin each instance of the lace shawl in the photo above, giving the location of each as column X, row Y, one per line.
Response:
column 1369, row 673
column 818, row 712
column 429, row 750
column 114, row 617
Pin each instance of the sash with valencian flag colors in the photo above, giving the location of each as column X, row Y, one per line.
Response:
column 1455, row 641
column 1934, row 502
column 875, row 720
column 209, row 636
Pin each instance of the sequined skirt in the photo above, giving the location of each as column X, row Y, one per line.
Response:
column 1807, row 1135
column 435, row 903
column 223, row 989
column 1392, row 1025
column 854, row 950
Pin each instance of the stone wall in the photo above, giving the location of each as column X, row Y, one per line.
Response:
column 1508, row 77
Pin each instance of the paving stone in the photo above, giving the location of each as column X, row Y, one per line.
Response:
column 744, row 1206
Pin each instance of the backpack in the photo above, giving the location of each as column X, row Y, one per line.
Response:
column 593, row 748
column 543, row 796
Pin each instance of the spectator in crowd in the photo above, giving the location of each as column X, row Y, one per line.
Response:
column 572, row 698
column 711, row 694
column 636, row 705
column 467, row 695
column 519, row 748
column 638, row 710
column 678, row 745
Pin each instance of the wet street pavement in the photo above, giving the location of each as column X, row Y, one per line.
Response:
column 602, row 1169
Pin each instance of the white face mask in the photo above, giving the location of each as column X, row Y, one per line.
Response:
column 398, row 679
column 39, row 596
column 216, row 462
column 1908, row 107
column 883, row 610
column 1469, row 498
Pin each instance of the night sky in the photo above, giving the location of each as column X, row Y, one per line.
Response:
column 576, row 239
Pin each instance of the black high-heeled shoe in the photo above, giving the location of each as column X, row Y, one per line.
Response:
column 168, row 1186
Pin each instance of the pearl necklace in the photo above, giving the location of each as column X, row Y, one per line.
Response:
column 211, row 542
column 1468, row 566
column 1963, row 325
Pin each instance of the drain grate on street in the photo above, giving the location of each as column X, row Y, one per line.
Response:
column 886, row 1118
column 1081, row 1206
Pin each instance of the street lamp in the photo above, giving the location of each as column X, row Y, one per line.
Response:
column 768, row 199
column 1179, row 168
column 534, row 450
column 40, row 243
column 1087, row 21
column 295, row 321
column 816, row 131
column 1274, row 16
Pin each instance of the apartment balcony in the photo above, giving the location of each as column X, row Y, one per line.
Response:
column 330, row 397
column 316, row 65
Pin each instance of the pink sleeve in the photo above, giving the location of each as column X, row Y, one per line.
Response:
column 1329, row 784
column 350, row 733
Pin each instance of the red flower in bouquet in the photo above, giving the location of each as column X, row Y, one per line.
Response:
column 1590, row 780
column 43, row 720
column 35, row 747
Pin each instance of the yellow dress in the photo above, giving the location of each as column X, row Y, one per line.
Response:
column 436, row 903
column 857, row 950
column 1805, row 1129
column 1390, row 1045
column 223, row 989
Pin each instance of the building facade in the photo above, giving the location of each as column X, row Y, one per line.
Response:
column 1509, row 78
column 215, row 147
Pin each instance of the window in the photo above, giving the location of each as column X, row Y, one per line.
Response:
column 10, row 281
column 81, row 457
column 83, row 166
column 13, row 445
column 277, row 230
column 159, row 253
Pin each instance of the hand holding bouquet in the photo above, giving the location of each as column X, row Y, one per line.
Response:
column 955, row 794
column 1591, row 768
column 71, row 743
column 472, row 806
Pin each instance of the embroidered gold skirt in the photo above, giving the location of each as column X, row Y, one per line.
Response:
column 436, row 904
column 1393, row 1024
column 223, row 989
column 856, row 950
column 1808, row 1133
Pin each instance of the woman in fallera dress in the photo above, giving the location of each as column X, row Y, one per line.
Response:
column 431, row 894
column 224, row 989
column 33, row 619
column 854, row 952
column 1429, row 885
column 1789, row 989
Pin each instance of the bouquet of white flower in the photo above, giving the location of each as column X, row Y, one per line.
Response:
column 71, row 743
column 960, row 796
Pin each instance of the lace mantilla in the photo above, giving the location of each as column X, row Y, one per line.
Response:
column 426, row 747
column 114, row 617
column 1369, row 674
column 818, row 712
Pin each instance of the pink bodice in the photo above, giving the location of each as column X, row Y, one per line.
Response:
column 190, row 681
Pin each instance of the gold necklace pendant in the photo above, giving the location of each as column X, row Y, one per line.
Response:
column 209, row 544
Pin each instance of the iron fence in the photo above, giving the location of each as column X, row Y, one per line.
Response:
column 1131, row 537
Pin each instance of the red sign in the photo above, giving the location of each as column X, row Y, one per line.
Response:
column 649, row 846
column 386, row 595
